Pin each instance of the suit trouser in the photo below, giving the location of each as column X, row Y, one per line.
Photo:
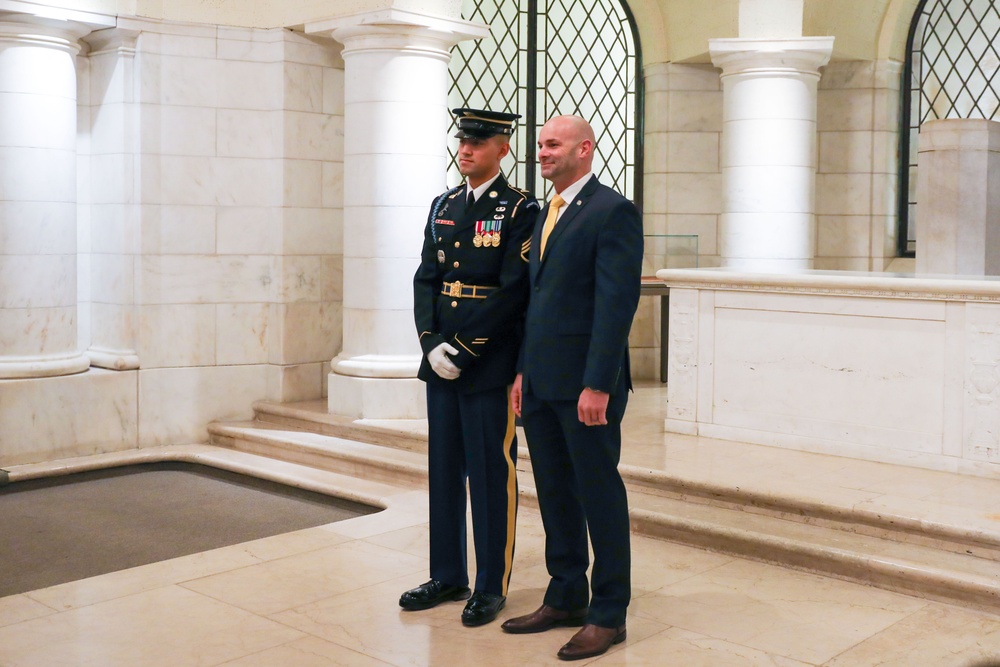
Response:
column 471, row 436
column 581, row 491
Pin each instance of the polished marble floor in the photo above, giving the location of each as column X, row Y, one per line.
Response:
column 327, row 595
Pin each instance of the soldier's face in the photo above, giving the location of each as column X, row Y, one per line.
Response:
column 479, row 159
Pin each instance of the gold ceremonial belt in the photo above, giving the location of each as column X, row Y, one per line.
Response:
column 459, row 291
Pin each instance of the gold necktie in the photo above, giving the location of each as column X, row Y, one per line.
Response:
column 550, row 221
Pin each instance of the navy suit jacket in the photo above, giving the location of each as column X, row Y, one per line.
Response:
column 583, row 297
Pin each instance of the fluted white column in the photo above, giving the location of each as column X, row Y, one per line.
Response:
column 38, row 236
column 769, row 150
column 395, row 152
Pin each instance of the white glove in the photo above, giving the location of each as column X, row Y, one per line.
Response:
column 441, row 363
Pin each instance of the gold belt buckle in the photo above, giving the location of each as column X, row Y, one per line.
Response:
column 455, row 290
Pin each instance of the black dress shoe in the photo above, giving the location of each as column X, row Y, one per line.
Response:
column 431, row 594
column 543, row 618
column 482, row 608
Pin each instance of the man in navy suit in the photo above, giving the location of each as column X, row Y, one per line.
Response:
column 572, row 386
column 469, row 296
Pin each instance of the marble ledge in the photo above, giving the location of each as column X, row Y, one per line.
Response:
column 847, row 283
column 375, row 494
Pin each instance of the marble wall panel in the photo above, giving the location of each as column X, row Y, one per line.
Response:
column 177, row 335
column 310, row 332
column 313, row 136
column 171, row 179
column 693, row 152
column 179, row 403
column 108, row 128
column 111, row 179
column 206, row 279
column 246, row 181
column 333, row 91
column 178, row 130
column 248, row 85
column 846, row 152
column 332, row 185
column 185, row 81
column 112, row 278
column 77, row 415
column 843, row 194
column 312, row 231
column 695, row 111
column 694, row 193
column 246, row 230
column 303, row 88
column 332, row 278
column 843, row 235
column 301, row 382
column 246, row 45
column 242, row 333
column 198, row 42
column 114, row 326
column 300, row 278
column 845, row 110
column 302, row 183
column 173, row 229
column 247, row 134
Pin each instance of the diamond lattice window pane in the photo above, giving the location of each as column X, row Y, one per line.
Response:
column 584, row 62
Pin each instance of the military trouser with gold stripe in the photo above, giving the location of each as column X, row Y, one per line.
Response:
column 471, row 436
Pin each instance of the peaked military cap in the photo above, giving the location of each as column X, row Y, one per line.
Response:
column 481, row 124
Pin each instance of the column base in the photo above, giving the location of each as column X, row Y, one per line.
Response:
column 114, row 360
column 376, row 398
column 43, row 366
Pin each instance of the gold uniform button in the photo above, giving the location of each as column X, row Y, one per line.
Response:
column 454, row 304
column 455, row 265
column 458, row 244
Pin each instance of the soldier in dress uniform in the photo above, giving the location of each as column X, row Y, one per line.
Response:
column 470, row 295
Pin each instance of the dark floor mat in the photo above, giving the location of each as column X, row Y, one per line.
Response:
column 61, row 529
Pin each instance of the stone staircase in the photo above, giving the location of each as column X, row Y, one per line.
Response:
column 890, row 550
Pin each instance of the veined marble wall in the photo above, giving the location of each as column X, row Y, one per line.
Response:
column 210, row 237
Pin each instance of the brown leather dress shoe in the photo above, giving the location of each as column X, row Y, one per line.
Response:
column 591, row 640
column 542, row 619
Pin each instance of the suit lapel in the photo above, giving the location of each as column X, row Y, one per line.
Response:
column 573, row 209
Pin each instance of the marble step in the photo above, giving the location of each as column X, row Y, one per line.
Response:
column 954, row 563
column 325, row 452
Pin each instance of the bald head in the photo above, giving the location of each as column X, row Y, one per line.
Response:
column 565, row 150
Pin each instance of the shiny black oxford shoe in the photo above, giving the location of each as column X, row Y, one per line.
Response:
column 431, row 594
column 482, row 608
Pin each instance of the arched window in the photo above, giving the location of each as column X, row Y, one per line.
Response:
column 544, row 58
column 952, row 70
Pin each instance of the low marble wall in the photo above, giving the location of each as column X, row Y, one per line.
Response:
column 896, row 368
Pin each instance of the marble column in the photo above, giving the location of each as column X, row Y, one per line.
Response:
column 958, row 191
column 768, row 156
column 395, row 153
column 38, row 197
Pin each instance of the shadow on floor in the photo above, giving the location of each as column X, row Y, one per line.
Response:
column 61, row 529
